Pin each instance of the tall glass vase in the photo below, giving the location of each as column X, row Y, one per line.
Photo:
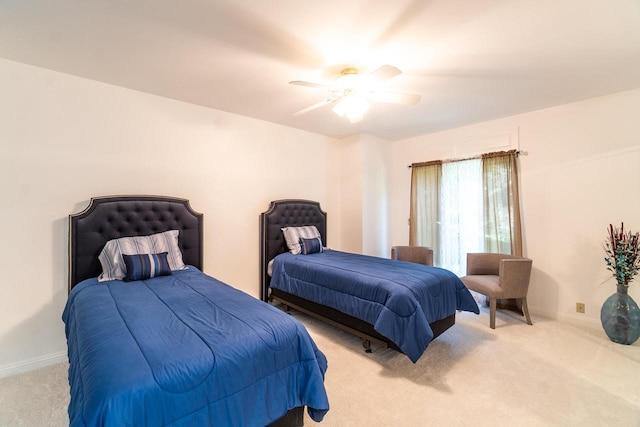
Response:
column 620, row 317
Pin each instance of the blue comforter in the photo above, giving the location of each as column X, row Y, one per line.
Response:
column 186, row 350
column 398, row 298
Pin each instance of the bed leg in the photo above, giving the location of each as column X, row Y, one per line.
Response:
column 367, row 345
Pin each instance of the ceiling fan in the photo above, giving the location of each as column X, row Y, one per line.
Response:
column 353, row 91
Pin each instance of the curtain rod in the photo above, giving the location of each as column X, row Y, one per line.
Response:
column 479, row 156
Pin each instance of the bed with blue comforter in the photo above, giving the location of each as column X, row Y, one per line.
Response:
column 172, row 346
column 397, row 304
column 185, row 350
column 400, row 299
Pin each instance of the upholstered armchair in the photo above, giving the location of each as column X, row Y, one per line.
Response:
column 417, row 254
column 499, row 276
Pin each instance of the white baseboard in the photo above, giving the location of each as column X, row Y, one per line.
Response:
column 575, row 319
column 31, row 364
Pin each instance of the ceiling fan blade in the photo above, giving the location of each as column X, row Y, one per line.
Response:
column 314, row 106
column 309, row 84
column 385, row 72
column 395, row 97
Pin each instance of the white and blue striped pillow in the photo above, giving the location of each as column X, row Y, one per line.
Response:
column 146, row 266
column 113, row 267
column 292, row 236
column 310, row 246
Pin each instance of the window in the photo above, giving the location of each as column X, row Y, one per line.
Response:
column 466, row 206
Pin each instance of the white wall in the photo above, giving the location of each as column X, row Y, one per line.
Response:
column 65, row 139
column 582, row 172
column 365, row 184
column 351, row 190
column 376, row 179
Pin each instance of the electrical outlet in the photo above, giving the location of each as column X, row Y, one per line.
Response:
column 580, row 307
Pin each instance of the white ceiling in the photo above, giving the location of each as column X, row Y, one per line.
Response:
column 470, row 60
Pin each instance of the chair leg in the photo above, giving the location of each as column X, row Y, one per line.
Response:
column 492, row 313
column 525, row 309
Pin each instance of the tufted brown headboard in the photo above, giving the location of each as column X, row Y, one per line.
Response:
column 112, row 217
column 285, row 213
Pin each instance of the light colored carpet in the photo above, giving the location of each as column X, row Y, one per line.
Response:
column 548, row 374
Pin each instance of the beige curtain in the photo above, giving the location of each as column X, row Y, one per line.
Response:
column 502, row 225
column 424, row 215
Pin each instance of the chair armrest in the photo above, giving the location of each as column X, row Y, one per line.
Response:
column 483, row 264
column 416, row 254
column 515, row 274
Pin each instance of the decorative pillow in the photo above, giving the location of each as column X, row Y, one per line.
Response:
column 113, row 267
column 292, row 236
column 310, row 246
column 146, row 266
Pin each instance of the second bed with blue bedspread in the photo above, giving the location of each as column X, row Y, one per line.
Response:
column 399, row 299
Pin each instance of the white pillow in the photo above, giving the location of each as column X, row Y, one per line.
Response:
column 292, row 236
column 113, row 266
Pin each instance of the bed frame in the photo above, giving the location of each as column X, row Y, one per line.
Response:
column 296, row 213
column 111, row 217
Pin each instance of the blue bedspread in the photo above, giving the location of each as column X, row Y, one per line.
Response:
column 398, row 298
column 186, row 350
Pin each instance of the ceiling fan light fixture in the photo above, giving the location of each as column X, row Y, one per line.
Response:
column 352, row 107
column 349, row 81
column 351, row 92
